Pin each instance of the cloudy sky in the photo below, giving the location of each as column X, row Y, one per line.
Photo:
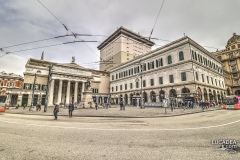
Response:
column 209, row 23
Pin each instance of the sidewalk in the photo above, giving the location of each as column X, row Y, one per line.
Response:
column 114, row 111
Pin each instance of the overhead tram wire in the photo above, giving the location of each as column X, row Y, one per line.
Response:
column 74, row 34
column 28, row 42
column 156, row 20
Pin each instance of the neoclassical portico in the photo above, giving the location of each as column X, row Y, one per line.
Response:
column 65, row 89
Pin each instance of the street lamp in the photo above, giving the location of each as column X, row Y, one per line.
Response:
column 141, row 98
column 47, row 90
column 38, row 71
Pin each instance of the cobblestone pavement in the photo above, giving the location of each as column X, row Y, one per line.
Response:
column 114, row 111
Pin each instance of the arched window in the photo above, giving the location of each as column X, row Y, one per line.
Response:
column 169, row 59
column 181, row 56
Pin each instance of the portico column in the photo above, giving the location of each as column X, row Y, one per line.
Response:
column 75, row 92
column 68, row 92
column 50, row 101
column 83, row 86
column 60, row 92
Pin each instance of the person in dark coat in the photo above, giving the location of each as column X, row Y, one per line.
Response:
column 96, row 105
column 71, row 108
column 55, row 111
column 37, row 106
column 121, row 105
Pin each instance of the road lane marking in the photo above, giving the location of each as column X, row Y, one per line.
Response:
column 120, row 129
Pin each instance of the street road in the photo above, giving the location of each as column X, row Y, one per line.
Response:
column 186, row 137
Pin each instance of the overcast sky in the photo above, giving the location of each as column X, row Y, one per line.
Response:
column 209, row 23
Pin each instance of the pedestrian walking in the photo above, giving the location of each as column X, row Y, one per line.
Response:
column 37, row 106
column 171, row 105
column 70, row 109
column 121, row 105
column 96, row 105
column 55, row 111
column 107, row 104
column 202, row 105
column 124, row 105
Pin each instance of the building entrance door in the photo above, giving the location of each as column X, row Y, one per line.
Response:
column 14, row 99
column 25, row 100
column 43, row 100
column 35, row 100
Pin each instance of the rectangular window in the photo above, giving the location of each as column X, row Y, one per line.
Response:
column 116, row 88
column 112, row 77
column 116, row 76
column 171, row 79
column 207, row 79
column 144, row 83
column 195, row 55
column 152, row 82
column 144, row 67
column 152, row 64
column 160, row 80
column 137, row 84
column 202, row 78
column 161, row 62
column 125, row 86
column 216, row 82
column 169, row 59
column 112, row 89
column 196, row 76
column 181, row 56
column 183, row 76
column 120, row 87
column 131, row 85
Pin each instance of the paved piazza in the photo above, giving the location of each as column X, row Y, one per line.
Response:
column 185, row 137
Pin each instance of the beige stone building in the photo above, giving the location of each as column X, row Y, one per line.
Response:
column 63, row 83
column 122, row 46
column 230, row 57
column 181, row 69
column 11, row 85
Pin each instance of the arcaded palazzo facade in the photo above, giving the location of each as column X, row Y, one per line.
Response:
column 230, row 58
column 64, row 83
column 181, row 69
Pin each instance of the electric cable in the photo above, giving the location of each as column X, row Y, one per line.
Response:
column 156, row 20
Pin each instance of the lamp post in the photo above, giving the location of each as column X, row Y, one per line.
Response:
column 47, row 90
column 141, row 94
column 38, row 71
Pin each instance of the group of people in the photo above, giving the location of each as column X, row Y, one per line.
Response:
column 190, row 104
column 56, row 110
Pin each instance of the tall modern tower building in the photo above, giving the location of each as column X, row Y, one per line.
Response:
column 122, row 46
